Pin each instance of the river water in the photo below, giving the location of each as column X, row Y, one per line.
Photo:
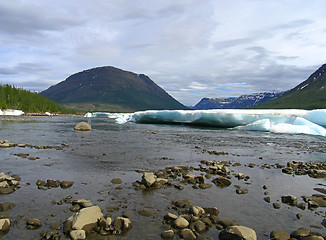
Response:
column 92, row 159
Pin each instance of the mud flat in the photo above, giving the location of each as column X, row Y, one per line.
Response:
column 151, row 182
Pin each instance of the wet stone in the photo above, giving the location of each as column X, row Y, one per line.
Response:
column 187, row 234
column 301, row 232
column 167, row 234
column 116, row 181
column 276, row 205
column 279, row 235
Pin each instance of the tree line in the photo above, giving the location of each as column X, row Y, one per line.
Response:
column 15, row 98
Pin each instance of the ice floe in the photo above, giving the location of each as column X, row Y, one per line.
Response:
column 278, row 121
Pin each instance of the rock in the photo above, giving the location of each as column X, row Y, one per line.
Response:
column 238, row 233
column 170, row 217
column 204, row 185
column 122, row 223
column 227, row 223
column 83, row 203
column 279, row 235
column 146, row 212
column 66, row 184
column 212, row 211
column 315, row 173
column 116, row 181
column 4, row 224
column 4, row 215
column 222, row 182
column 241, row 191
column 55, row 226
column 33, row 223
column 78, row 234
column 6, row 190
column 83, row 126
column 267, row 199
column 167, row 234
column 187, row 234
column 197, row 211
column 313, row 237
column 301, row 232
column 276, row 205
column 199, row 226
column 86, row 218
column 6, row 206
column 183, row 203
column 181, row 222
column 148, row 179
column 319, row 199
column 290, row 200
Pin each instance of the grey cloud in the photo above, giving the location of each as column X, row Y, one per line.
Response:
column 31, row 19
column 7, row 71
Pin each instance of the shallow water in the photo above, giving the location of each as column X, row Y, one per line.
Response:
column 93, row 158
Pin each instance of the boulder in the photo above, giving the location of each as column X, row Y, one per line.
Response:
column 148, row 179
column 4, row 224
column 86, row 219
column 238, row 233
column 83, row 126
column 122, row 223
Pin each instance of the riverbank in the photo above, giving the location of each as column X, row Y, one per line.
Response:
column 263, row 183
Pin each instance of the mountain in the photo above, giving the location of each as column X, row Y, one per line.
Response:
column 110, row 89
column 310, row 94
column 244, row 101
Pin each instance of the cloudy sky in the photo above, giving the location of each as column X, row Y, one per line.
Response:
column 191, row 48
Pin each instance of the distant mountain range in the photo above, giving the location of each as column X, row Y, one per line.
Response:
column 110, row 89
column 310, row 94
column 243, row 101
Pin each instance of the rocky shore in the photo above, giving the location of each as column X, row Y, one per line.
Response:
column 127, row 205
column 182, row 220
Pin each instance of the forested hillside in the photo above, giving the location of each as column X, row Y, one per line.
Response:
column 14, row 98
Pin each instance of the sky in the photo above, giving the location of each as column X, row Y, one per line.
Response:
column 190, row 48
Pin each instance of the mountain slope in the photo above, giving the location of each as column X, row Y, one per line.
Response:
column 310, row 94
column 15, row 98
column 243, row 101
column 110, row 87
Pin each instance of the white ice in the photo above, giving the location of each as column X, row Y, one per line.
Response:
column 11, row 112
column 278, row 121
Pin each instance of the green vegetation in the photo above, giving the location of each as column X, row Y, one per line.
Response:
column 310, row 94
column 14, row 98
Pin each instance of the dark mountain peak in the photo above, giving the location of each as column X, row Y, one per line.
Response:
column 112, row 86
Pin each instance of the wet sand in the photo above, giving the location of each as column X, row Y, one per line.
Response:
column 92, row 159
